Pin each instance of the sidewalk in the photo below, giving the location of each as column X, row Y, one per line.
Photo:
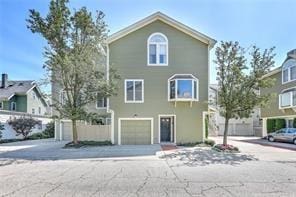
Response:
column 260, row 141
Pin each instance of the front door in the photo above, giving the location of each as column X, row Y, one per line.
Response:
column 165, row 129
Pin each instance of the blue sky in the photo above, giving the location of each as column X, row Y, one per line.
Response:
column 265, row 23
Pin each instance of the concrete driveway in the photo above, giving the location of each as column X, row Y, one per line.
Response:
column 264, row 142
column 42, row 168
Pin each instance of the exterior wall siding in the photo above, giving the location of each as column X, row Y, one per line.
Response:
column 21, row 103
column 272, row 109
column 35, row 103
column 187, row 55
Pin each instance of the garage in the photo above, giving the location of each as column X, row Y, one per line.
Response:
column 237, row 129
column 135, row 131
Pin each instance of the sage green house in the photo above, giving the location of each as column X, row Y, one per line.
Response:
column 283, row 103
column 163, row 94
column 163, row 90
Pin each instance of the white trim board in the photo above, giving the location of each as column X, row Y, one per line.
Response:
column 119, row 127
column 175, row 125
column 167, row 20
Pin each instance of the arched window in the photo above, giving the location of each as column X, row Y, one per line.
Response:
column 157, row 46
column 289, row 71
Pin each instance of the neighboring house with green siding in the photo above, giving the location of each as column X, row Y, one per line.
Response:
column 163, row 92
column 21, row 96
column 283, row 103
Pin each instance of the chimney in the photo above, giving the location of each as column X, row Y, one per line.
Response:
column 4, row 81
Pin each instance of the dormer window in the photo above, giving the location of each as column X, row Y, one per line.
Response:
column 289, row 71
column 157, row 46
column 183, row 87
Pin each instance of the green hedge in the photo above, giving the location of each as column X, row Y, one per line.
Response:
column 207, row 126
column 275, row 124
column 280, row 123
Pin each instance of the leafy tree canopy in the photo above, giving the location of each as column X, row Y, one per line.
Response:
column 240, row 80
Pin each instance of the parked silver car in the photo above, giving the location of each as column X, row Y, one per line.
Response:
column 284, row 135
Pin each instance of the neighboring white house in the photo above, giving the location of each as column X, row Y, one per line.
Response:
column 237, row 127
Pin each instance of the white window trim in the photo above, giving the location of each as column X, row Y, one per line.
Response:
column 157, row 50
column 119, row 127
column 103, row 104
column 11, row 104
column 134, row 92
column 291, row 99
column 176, row 88
column 289, row 74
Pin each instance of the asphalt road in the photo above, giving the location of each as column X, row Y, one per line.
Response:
column 43, row 168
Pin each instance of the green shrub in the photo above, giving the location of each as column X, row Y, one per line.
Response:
column 10, row 140
column 209, row 142
column 37, row 136
column 275, row 124
column 87, row 143
column 49, row 130
column 1, row 128
column 189, row 144
column 207, row 126
column 280, row 123
column 23, row 125
column 270, row 125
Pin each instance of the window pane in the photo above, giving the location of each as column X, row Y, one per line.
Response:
column 285, row 75
column 138, row 90
column 157, row 38
column 105, row 102
column 172, row 89
column 101, row 102
column 152, row 55
column 184, row 89
column 129, row 90
column 195, row 89
column 293, row 73
column 162, row 54
column 285, row 99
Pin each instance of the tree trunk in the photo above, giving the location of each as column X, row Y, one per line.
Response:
column 225, row 131
column 74, row 130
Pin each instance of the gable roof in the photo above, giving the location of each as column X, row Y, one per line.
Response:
column 16, row 88
column 166, row 19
